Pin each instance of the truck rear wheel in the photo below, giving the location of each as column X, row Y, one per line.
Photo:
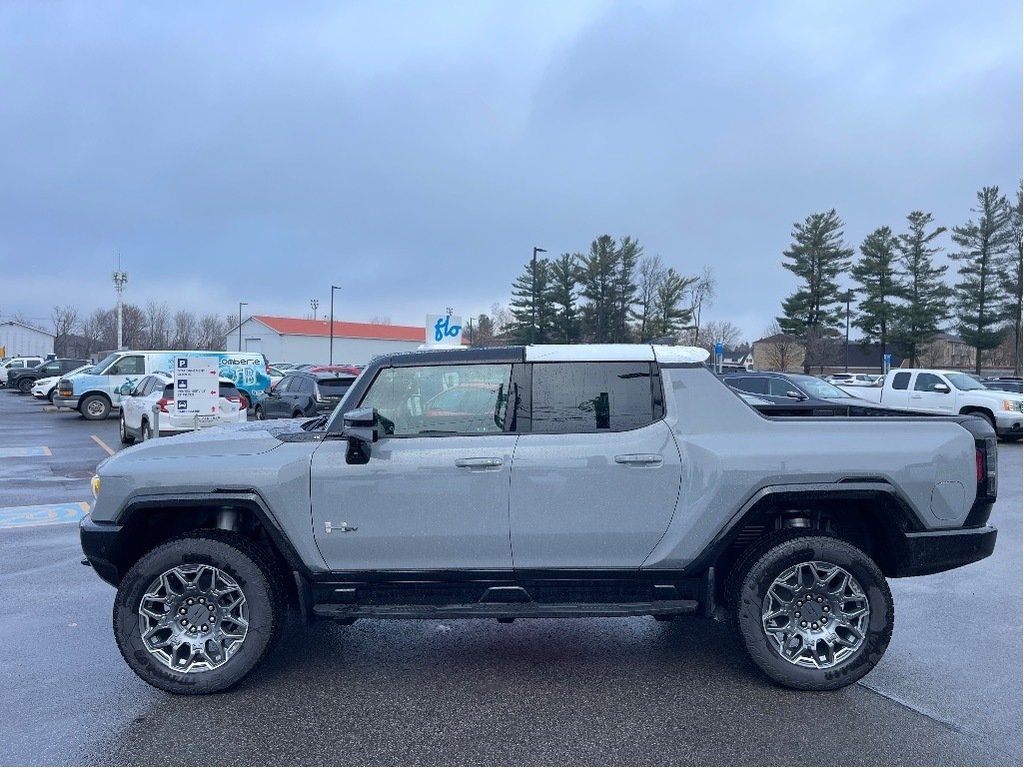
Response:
column 197, row 613
column 813, row 612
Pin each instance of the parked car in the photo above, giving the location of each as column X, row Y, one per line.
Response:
column 1005, row 384
column 617, row 480
column 301, row 393
column 158, row 390
column 853, row 379
column 17, row 363
column 930, row 390
column 23, row 379
column 788, row 387
column 47, row 388
column 352, row 370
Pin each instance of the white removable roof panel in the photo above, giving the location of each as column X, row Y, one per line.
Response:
column 614, row 352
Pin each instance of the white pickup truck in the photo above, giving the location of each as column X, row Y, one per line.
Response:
column 949, row 392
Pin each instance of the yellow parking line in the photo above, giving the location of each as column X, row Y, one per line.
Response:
column 103, row 445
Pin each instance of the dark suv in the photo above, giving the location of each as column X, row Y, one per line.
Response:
column 303, row 394
column 23, row 379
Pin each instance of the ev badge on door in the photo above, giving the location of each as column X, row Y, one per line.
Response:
column 344, row 527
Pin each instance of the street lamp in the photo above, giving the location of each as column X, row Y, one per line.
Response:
column 120, row 278
column 533, row 294
column 240, row 305
column 314, row 303
column 849, row 297
column 331, row 353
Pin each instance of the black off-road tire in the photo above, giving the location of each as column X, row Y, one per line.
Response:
column 764, row 563
column 255, row 574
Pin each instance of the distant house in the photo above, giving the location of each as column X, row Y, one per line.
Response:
column 779, row 352
column 946, row 351
column 299, row 340
column 17, row 338
column 738, row 357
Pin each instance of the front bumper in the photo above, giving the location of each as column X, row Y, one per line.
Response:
column 934, row 551
column 1008, row 423
column 99, row 543
column 66, row 402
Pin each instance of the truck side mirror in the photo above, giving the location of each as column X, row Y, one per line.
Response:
column 361, row 428
column 943, row 388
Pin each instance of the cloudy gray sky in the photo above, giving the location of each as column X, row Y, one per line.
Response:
column 413, row 153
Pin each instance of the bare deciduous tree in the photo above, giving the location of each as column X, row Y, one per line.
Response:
column 65, row 320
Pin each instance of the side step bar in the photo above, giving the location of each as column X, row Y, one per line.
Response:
column 530, row 610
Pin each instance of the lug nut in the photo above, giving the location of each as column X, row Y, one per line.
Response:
column 798, row 614
column 825, row 608
column 803, row 624
column 205, row 627
column 814, row 625
column 181, row 611
column 820, row 598
column 201, row 600
column 190, row 601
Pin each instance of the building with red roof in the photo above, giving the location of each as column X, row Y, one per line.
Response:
column 300, row 340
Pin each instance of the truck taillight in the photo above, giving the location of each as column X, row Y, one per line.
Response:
column 162, row 404
column 979, row 459
column 987, row 462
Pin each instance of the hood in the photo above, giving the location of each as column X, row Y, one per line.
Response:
column 246, row 439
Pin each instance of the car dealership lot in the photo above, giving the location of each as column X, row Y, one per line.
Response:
column 607, row 691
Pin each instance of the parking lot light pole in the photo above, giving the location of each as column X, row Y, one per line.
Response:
column 849, row 296
column 240, row 305
column 533, row 294
column 330, row 361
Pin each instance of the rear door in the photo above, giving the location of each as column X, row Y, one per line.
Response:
column 596, row 480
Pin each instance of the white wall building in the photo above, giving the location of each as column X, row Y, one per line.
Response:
column 24, row 340
column 297, row 340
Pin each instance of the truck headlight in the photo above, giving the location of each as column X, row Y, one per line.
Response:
column 1013, row 405
column 95, row 486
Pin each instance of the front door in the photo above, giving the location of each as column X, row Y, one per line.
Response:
column 434, row 495
column 595, row 483
column 923, row 397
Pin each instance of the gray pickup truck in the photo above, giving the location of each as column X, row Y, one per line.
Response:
column 537, row 482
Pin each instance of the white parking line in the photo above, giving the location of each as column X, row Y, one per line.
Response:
column 103, row 445
column 10, row 453
column 43, row 514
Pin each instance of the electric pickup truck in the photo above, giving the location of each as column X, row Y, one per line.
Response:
column 536, row 482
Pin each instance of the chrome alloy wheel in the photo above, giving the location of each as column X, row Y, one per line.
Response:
column 815, row 614
column 193, row 618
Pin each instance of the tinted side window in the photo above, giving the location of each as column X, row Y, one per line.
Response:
column 128, row 366
column 591, row 397
column 441, row 399
column 303, row 386
column 900, row 380
column 925, row 382
column 781, row 387
column 749, row 384
column 285, row 384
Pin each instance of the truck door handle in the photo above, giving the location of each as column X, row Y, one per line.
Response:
column 485, row 462
column 639, row 459
column 915, row 397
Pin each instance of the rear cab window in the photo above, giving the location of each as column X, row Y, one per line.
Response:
column 593, row 397
column 901, row 380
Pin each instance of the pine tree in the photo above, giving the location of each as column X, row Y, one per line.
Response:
column 985, row 249
column 879, row 287
column 1012, row 279
column 531, row 309
column 598, row 277
column 562, row 296
column 818, row 256
column 627, row 256
column 926, row 293
column 669, row 314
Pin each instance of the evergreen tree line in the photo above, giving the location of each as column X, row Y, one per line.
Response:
column 611, row 294
column 903, row 294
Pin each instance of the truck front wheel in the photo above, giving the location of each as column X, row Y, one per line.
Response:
column 813, row 612
column 195, row 614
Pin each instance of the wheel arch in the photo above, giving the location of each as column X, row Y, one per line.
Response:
column 979, row 410
column 147, row 522
column 870, row 515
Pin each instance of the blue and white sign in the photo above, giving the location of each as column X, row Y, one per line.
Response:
column 444, row 331
column 719, row 348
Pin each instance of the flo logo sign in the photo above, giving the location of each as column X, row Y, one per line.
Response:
column 444, row 331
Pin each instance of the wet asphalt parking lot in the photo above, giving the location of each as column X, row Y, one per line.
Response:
column 587, row 691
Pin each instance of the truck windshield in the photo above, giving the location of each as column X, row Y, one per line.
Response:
column 106, row 361
column 964, row 382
